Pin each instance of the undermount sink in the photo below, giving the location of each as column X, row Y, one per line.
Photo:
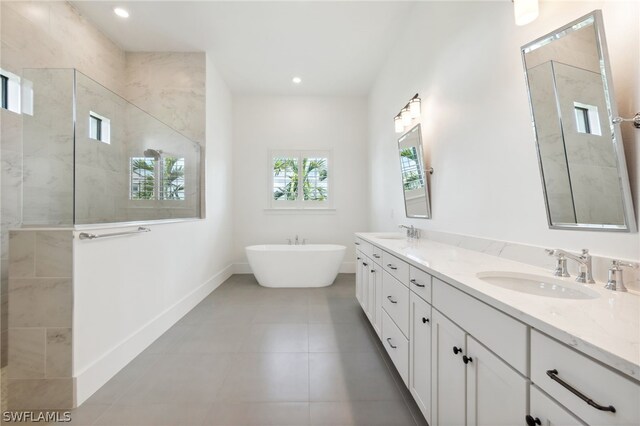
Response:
column 390, row 236
column 538, row 285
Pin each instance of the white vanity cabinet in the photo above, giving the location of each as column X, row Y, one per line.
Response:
column 466, row 362
column 420, row 354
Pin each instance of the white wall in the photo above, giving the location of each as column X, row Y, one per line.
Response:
column 464, row 60
column 262, row 123
column 129, row 290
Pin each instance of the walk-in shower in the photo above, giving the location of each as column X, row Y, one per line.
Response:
column 92, row 157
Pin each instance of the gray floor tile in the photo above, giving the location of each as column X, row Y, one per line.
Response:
column 357, row 376
column 365, row 413
column 285, row 314
column 340, row 337
column 259, row 413
column 277, row 338
column 165, row 414
column 212, row 337
column 267, row 377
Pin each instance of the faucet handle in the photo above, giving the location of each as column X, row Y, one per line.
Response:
column 626, row 264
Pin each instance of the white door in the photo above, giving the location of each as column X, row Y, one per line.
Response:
column 448, row 372
column 496, row 393
column 420, row 354
column 546, row 412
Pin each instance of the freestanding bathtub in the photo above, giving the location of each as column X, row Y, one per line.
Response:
column 307, row 265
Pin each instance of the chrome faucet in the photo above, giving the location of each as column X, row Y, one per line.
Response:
column 586, row 269
column 615, row 281
column 412, row 232
column 297, row 240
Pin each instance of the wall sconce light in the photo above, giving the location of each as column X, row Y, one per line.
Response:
column 410, row 111
column 525, row 11
column 398, row 124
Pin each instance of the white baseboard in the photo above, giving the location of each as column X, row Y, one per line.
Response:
column 244, row 268
column 97, row 374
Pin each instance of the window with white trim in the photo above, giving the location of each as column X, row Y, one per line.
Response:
column 300, row 179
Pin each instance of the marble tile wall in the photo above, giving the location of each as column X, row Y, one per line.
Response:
column 40, row 320
column 41, row 34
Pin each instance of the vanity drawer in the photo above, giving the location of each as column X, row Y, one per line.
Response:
column 395, row 300
column 365, row 247
column 376, row 254
column 397, row 346
column 506, row 336
column 420, row 283
column 396, row 267
column 550, row 358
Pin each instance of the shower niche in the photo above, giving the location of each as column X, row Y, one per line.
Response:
column 91, row 157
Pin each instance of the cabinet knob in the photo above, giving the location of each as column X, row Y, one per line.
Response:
column 373, row 271
column 425, row 320
column 466, row 359
column 456, row 350
column 365, row 264
column 531, row 421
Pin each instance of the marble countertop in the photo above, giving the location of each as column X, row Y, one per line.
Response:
column 606, row 328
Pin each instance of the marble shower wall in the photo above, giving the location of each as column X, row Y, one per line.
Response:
column 42, row 35
column 40, row 320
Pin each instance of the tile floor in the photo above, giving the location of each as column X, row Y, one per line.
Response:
column 249, row 355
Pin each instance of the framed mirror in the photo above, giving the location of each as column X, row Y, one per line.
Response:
column 414, row 177
column 580, row 152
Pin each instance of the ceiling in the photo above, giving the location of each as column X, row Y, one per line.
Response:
column 337, row 48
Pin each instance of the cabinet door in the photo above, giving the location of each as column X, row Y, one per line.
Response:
column 366, row 264
column 420, row 354
column 548, row 412
column 377, row 277
column 359, row 261
column 371, row 298
column 496, row 393
column 448, row 372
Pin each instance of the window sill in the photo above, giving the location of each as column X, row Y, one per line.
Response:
column 300, row 210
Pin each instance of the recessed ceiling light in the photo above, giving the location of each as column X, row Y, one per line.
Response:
column 296, row 80
column 121, row 12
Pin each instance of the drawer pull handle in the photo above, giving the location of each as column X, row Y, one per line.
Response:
column 531, row 421
column 416, row 283
column 425, row 320
column 391, row 344
column 377, row 256
column 456, row 351
column 391, row 300
column 365, row 264
column 466, row 359
column 358, row 258
column 357, row 243
column 373, row 271
column 553, row 375
column 392, row 266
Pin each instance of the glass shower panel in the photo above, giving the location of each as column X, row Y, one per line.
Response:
column 48, row 148
column 129, row 165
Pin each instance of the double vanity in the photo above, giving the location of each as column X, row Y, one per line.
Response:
column 481, row 340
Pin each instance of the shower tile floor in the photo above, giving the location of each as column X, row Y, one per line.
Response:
column 249, row 355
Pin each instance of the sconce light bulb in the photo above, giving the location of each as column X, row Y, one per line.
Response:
column 398, row 124
column 525, row 11
column 405, row 114
column 414, row 107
